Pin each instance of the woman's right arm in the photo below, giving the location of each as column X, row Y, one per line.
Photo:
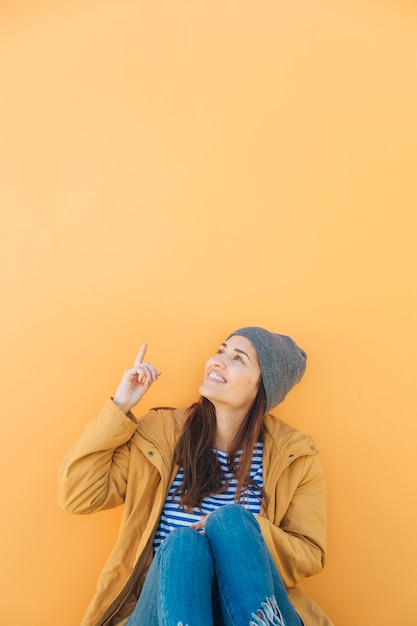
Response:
column 93, row 474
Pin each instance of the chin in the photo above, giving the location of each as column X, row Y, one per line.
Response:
column 207, row 392
column 203, row 391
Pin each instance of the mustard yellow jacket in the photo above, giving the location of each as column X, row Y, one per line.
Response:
column 119, row 459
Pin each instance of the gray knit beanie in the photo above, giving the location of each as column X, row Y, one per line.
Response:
column 282, row 362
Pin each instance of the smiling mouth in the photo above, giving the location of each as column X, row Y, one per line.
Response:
column 216, row 377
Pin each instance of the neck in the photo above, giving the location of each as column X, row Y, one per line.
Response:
column 227, row 425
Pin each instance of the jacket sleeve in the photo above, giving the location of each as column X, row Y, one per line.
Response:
column 297, row 539
column 93, row 473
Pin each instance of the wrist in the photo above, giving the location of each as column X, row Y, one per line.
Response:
column 123, row 406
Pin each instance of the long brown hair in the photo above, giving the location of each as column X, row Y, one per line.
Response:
column 194, row 452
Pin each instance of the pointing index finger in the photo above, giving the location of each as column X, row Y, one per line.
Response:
column 141, row 354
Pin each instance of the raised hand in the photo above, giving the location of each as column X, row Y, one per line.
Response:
column 135, row 382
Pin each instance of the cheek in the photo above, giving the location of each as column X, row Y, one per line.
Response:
column 255, row 385
column 250, row 385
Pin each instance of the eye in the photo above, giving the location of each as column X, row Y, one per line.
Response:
column 238, row 358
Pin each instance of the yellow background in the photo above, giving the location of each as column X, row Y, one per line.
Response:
column 169, row 171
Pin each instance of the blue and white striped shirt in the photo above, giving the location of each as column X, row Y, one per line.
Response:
column 173, row 516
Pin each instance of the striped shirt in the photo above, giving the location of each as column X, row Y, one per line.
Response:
column 173, row 516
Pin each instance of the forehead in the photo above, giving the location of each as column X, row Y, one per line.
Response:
column 238, row 342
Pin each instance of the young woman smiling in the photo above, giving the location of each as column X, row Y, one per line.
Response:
column 224, row 510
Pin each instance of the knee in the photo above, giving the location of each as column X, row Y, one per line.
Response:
column 181, row 536
column 183, row 540
column 228, row 512
column 231, row 515
column 185, row 546
column 179, row 533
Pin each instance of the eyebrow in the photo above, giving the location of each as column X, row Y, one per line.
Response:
column 238, row 350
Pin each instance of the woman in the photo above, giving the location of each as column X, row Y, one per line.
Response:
column 224, row 504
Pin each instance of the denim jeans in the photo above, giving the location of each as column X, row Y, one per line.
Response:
column 225, row 577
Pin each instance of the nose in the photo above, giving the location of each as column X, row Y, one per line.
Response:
column 218, row 361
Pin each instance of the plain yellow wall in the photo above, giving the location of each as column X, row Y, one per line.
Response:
column 172, row 170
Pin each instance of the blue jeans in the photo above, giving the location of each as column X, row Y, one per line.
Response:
column 225, row 577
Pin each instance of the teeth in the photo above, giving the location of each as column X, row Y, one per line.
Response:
column 216, row 377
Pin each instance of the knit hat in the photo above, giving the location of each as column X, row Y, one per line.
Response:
column 282, row 362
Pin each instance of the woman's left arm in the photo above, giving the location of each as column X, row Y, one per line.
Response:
column 295, row 529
